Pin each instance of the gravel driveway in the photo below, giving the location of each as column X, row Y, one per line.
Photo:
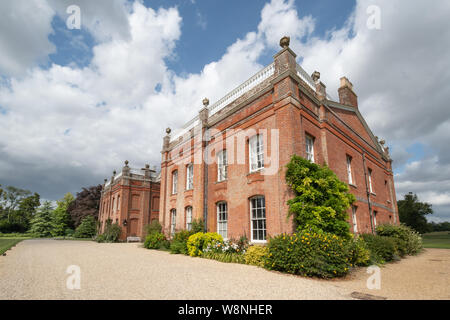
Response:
column 36, row 269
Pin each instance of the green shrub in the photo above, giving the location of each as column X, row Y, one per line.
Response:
column 307, row 253
column 228, row 257
column 153, row 227
column 197, row 225
column 87, row 228
column 179, row 242
column 155, row 240
column 112, row 232
column 359, row 252
column 409, row 241
column 382, row 249
column 321, row 199
column 199, row 241
column 255, row 255
column 69, row 232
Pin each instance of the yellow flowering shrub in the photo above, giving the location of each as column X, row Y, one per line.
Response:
column 255, row 255
column 309, row 253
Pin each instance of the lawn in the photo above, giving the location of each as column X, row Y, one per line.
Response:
column 7, row 243
column 439, row 240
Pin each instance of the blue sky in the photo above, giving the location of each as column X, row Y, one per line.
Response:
column 77, row 103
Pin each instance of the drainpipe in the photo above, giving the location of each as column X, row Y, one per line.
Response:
column 368, row 193
column 205, row 185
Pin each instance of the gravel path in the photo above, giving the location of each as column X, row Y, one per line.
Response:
column 36, row 269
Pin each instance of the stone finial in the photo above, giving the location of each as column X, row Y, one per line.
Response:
column 315, row 76
column 284, row 42
column 147, row 166
column 106, row 180
column 382, row 142
column 206, row 102
column 114, row 172
column 168, row 131
column 126, row 163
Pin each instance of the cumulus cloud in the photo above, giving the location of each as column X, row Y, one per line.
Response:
column 24, row 29
column 70, row 126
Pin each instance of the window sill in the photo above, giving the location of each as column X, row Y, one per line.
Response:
column 258, row 242
column 256, row 171
column 221, row 181
column 352, row 185
column 373, row 193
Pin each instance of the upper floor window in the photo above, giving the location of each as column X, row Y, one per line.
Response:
column 349, row 170
column 190, row 177
column 174, row 182
column 375, row 218
column 173, row 221
column 118, row 203
column 370, row 181
column 309, row 148
column 188, row 218
column 222, row 166
column 258, row 219
column 256, row 152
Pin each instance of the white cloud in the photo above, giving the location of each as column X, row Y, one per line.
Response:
column 82, row 123
column 24, row 29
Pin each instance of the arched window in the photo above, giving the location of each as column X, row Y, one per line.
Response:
column 173, row 221
column 258, row 219
column 188, row 218
column 222, row 219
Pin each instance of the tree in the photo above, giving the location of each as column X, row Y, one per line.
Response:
column 17, row 206
column 61, row 217
column 321, row 199
column 86, row 203
column 412, row 212
column 42, row 222
column 87, row 228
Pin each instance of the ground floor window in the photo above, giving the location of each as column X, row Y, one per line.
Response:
column 173, row 221
column 222, row 219
column 188, row 218
column 355, row 222
column 258, row 218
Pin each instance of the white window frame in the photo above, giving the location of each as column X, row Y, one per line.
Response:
column 256, row 153
column 173, row 221
column 309, row 147
column 174, row 181
column 370, row 181
column 375, row 218
column 189, row 176
column 354, row 219
column 222, row 166
column 349, row 170
column 255, row 218
column 222, row 219
column 188, row 218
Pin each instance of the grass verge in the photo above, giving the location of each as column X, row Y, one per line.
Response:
column 438, row 240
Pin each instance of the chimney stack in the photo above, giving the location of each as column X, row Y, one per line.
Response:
column 346, row 94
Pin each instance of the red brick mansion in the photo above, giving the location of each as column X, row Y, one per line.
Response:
column 227, row 165
column 130, row 199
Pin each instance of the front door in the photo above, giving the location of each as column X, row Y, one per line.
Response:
column 133, row 227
